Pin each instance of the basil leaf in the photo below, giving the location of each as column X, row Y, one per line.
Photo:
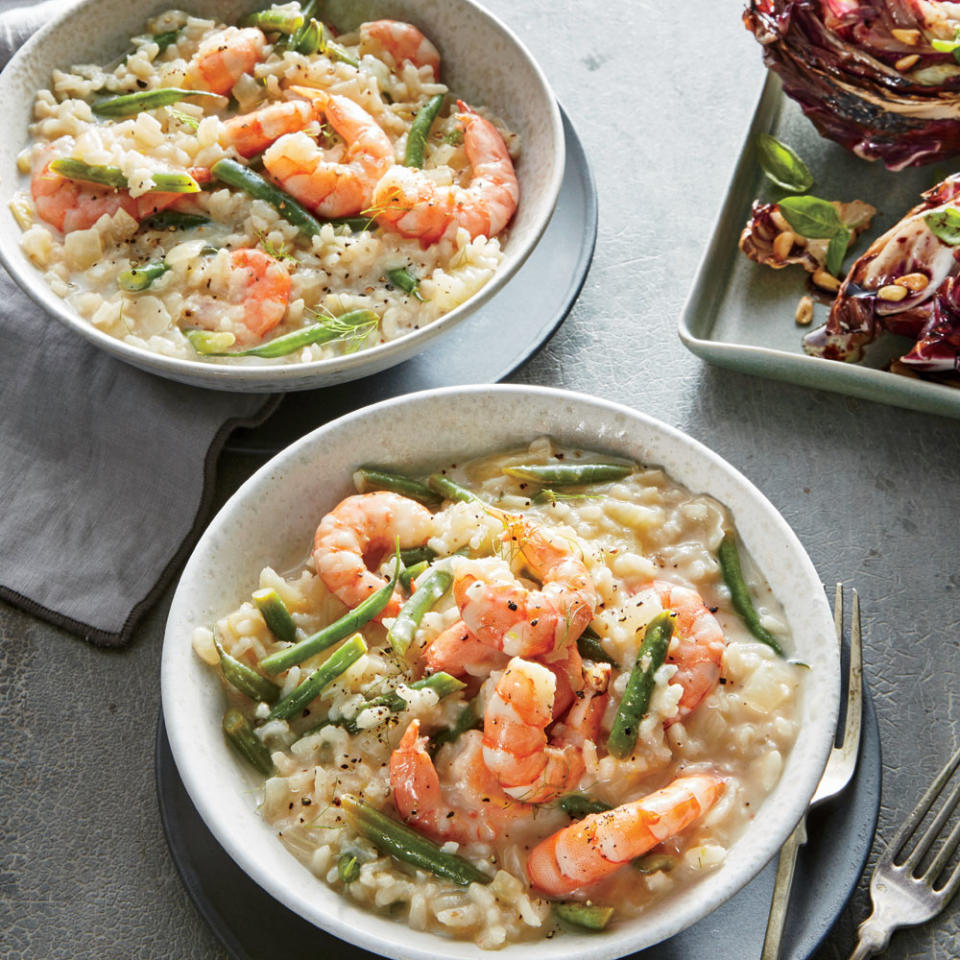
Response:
column 945, row 225
column 838, row 250
column 782, row 165
column 811, row 217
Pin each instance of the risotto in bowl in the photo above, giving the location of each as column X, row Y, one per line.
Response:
column 491, row 665
column 274, row 197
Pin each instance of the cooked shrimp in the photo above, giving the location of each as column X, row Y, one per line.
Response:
column 334, row 183
column 505, row 614
column 404, row 42
column 599, row 844
column 515, row 747
column 253, row 297
column 224, row 58
column 411, row 203
column 367, row 526
column 72, row 205
column 457, row 652
column 252, row 132
column 697, row 646
column 478, row 814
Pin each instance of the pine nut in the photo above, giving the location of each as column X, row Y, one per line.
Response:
column 905, row 63
column 913, row 281
column 908, row 37
column 783, row 245
column 892, row 293
column 780, row 221
column 804, row 315
column 826, row 281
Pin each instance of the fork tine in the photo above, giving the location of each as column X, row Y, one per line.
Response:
column 909, row 825
column 931, row 834
column 950, row 844
column 851, row 726
column 953, row 881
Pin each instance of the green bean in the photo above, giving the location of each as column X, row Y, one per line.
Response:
column 113, row 177
column 400, row 842
column 331, row 49
column 451, row 490
column 139, row 278
column 468, row 719
column 578, row 805
column 349, row 623
column 409, row 574
column 413, row 555
column 348, row 867
column 243, row 178
column 132, row 103
column 356, row 224
column 246, row 679
column 420, row 130
column 590, row 648
column 654, row 862
column 274, row 611
column 308, row 39
column 296, row 38
column 240, row 736
column 442, row 684
column 373, row 478
column 570, row 474
column 428, row 593
column 636, row 697
column 274, row 21
column 339, row 662
column 740, row 593
column 212, row 345
column 590, row 916
column 173, row 220
column 401, row 277
column 165, row 39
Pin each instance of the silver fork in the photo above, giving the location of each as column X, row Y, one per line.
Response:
column 839, row 770
column 901, row 898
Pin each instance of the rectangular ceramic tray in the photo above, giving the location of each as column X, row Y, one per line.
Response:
column 740, row 314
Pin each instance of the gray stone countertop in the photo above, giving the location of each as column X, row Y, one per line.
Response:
column 661, row 95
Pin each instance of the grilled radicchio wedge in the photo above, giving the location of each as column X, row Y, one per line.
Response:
column 908, row 282
column 879, row 77
column 768, row 238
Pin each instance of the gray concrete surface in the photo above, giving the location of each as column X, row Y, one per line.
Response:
column 661, row 95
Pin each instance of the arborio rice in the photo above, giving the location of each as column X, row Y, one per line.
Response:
column 618, row 537
column 86, row 238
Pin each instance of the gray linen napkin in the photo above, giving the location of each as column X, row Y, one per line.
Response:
column 106, row 471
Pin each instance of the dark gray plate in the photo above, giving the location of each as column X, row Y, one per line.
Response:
column 251, row 924
column 740, row 314
column 485, row 347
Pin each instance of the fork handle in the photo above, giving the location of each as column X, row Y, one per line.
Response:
column 873, row 938
column 781, row 891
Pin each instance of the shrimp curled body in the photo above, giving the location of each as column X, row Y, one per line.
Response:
column 697, row 647
column 72, row 205
column 404, row 42
column 367, row 525
column 601, row 843
column 249, row 133
column 225, row 57
column 441, row 814
column 413, row 205
column 515, row 747
column 254, row 295
column 505, row 614
column 332, row 185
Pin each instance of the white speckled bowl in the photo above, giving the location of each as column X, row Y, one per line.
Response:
column 482, row 61
column 271, row 520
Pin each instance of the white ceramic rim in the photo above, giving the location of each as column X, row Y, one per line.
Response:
column 807, row 609
column 316, row 373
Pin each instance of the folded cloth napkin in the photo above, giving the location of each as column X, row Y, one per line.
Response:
column 106, row 471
